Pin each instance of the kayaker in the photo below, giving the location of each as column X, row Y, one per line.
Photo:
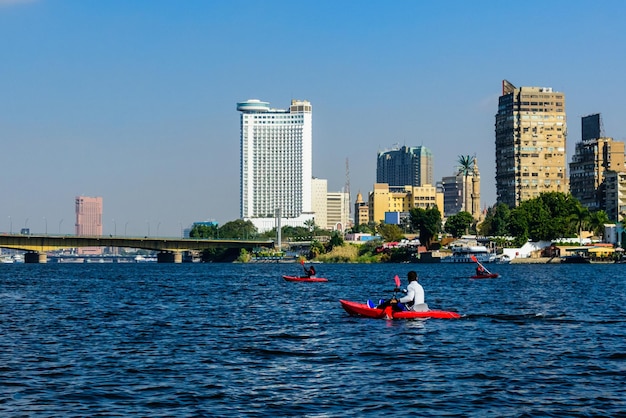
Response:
column 414, row 299
column 480, row 270
column 310, row 272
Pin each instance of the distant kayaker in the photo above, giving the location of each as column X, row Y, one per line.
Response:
column 414, row 299
column 310, row 272
column 480, row 270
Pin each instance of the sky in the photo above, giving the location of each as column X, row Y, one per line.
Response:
column 135, row 101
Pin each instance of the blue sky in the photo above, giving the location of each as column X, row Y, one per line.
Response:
column 135, row 101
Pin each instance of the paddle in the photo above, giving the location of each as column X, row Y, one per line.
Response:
column 473, row 257
column 302, row 263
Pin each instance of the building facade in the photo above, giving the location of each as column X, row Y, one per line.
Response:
column 361, row 211
column 385, row 198
column 338, row 215
column 88, row 221
column 594, row 157
column 319, row 202
column 276, row 163
column 406, row 166
column 615, row 196
column 530, row 130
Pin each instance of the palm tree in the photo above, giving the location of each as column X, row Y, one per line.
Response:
column 466, row 166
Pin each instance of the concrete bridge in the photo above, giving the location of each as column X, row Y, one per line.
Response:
column 170, row 249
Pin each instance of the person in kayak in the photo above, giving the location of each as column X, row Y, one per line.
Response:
column 414, row 299
column 310, row 272
column 480, row 270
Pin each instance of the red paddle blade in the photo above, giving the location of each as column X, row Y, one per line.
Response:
column 397, row 279
column 302, row 262
column 474, row 258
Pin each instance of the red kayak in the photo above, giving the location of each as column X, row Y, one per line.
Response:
column 304, row 279
column 485, row 276
column 361, row 309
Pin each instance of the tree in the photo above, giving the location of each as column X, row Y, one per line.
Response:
column 238, row 229
column 496, row 222
column 466, row 166
column 427, row 222
column 459, row 224
column 204, row 231
column 390, row 232
column 596, row 222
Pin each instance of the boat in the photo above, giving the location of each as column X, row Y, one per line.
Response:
column 576, row 259
column 464, row 253
column 362, row 309
column 304, row 279
column 485, row 276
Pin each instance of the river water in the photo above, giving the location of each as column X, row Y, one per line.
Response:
column 193, row 340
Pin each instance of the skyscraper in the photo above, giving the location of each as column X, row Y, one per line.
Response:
column 406, row 166
column 88, row 221
column 276, row 163
column 594, row 157
column 531, row 131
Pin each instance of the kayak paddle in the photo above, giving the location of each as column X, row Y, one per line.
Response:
column 474, row 259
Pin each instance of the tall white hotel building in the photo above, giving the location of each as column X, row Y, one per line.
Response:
column 276, row 164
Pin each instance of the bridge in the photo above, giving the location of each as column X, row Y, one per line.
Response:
column 170, row 250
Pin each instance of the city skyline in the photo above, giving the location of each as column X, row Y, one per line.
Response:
column 134, row 102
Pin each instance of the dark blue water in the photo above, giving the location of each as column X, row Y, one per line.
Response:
column 237, row 340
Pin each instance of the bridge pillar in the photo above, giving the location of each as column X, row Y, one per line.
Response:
column 33, row 257
column 170, row 257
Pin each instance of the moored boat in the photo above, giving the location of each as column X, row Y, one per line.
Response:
column 304, row 279
column 362, row 309
column 464, row 253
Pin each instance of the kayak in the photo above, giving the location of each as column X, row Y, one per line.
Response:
column 485, row 276
column 361, row 309
column 304, row 279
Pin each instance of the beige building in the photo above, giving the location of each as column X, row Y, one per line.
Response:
column 319, row 202
column 615, row 195
column 531, row 131
column 401, row 199
column 590, row 163
column 361, row 212
column 338, row 211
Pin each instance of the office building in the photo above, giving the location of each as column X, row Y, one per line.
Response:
column 361, row 211
column 594, row 157
column 338, row 215
column 319, row 202
column 88, row 221
column 276, row 164
column 385, row 198
column 615, row 196
column 530, row 132
column 406, row 166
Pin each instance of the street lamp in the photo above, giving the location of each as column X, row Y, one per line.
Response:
column 60, row 222
column 158, row 225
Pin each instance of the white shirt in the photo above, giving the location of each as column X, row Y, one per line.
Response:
column 414, row 294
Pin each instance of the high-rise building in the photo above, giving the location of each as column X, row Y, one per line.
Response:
column 276, row 163
column 319, row 202
column 406, row 166
column 615, row 196
column 338, row 215
column 594, row 157
column 531, row 129
column 88, row 221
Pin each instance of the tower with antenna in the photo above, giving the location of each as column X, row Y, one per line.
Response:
column 347, row 187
